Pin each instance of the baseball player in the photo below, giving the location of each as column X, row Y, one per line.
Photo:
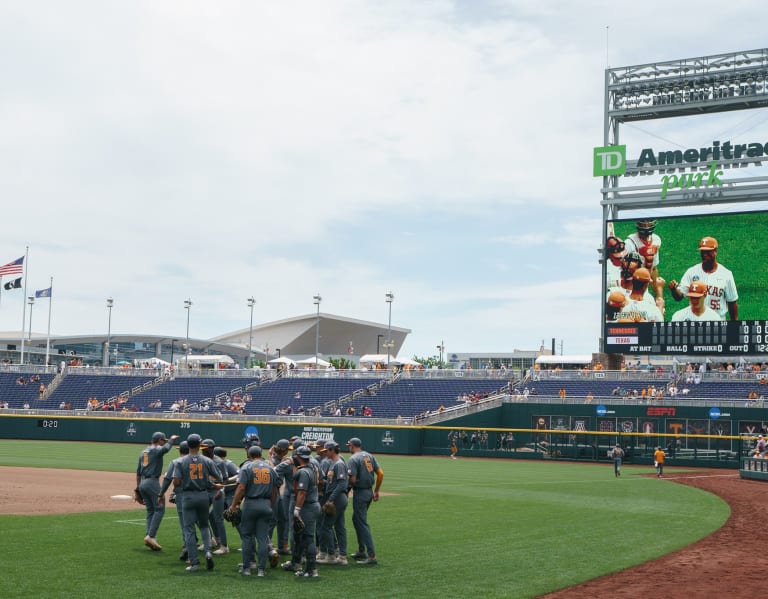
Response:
column 283, row 466
column 334, row 531
column 615, row 251
column 196, row 475
column 641, row 306
column 228, row 471
column 148, row 472
column 178, row 497
column 721, row 296
column 646, row 243
column 216, row 516
column 307, row 509
column 617, row 453
column 697, row 309
column 257, row 488
column 365, row 478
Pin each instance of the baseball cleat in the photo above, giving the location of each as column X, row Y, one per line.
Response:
column 368, row 561
column 208, row 561
column 223, row 550
column 274, row 558
column 192, row 568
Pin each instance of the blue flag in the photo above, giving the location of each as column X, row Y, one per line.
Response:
column 43, row 292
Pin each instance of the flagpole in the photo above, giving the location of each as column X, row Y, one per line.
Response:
column 48, row 341
column 24, row 304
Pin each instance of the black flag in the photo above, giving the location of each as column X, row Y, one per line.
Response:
column 15, row 284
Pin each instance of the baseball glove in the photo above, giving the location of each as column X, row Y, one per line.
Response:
column 329, row 508
column 137, row 496
column 233, row 515
column 298, row 525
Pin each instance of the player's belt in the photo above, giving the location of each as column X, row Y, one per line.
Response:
column 149, row 477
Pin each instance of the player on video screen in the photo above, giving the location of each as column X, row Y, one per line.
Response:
column 648, row 244
column 640, row 306
column 722, row 296
column 697, row 309
column 615, row 252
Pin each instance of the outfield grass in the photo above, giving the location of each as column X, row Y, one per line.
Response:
column 451, row 528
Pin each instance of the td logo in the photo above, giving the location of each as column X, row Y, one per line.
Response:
column 610, row 160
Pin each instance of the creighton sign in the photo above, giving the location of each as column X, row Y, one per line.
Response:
column 611, row 161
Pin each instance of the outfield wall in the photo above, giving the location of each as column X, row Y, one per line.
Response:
column 226, row 433
column 709, row 436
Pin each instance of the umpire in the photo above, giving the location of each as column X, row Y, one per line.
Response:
column 365, row 478
column 148, row 472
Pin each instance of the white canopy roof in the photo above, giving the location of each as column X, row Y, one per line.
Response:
column 576, row 359
column 376, row 359
column 311, row 362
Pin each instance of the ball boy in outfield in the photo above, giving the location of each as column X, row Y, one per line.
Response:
column 658, row 461
column 365, row 478
column 148, row 473
column 617, row 453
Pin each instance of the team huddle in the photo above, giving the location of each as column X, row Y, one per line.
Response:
column 285, row 492
column 636, row 290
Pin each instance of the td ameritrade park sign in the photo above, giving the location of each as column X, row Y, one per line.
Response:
column 610, row 161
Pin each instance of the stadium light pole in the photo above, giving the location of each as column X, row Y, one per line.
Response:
column 187, row 307
column 390, row 297
column 110, row 303
column 378, row 338
column 31, row 304
column 317, row 299
column 173, row 347
column 251, row 304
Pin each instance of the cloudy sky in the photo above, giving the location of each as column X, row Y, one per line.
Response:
column 162, row 150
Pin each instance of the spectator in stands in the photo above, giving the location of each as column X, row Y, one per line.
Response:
column 589, row 398
column 63, row 405
column 26, row 405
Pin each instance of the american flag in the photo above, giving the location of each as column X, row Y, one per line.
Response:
column 13, row 268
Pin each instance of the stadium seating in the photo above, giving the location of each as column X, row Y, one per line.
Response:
column 17, row 394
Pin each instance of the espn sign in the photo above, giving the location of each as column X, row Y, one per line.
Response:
column 658, row 411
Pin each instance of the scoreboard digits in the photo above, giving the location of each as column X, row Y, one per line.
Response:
column 731, row 337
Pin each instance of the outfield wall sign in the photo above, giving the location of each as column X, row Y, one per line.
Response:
column 611, row 161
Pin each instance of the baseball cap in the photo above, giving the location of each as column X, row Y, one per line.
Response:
column 617, row 299
column 183, row 448
column 283, row 444
column 220, row 451
column 642, row 274
column 193, row 441
column 304, row 452
column 331, row 445
column 208, row 444
column 697, row 289
column 296, row 444
column 355, row 441
column 708, row 243
column 254, row 451
column 159, row 436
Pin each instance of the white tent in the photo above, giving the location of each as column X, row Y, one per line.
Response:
column 320, row 363
column 405, row 362
column 369, row 359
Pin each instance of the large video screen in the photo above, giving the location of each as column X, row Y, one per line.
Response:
column 687, row 284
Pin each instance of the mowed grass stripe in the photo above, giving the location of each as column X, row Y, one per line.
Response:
column 497, row 528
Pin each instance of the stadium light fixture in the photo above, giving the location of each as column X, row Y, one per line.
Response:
column 317, row 299
column 110, row 303
column 251, row 304
column 188, row 308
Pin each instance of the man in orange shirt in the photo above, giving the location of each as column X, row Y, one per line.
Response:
column 658, row 461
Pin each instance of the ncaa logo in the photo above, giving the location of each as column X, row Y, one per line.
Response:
column 610, row 160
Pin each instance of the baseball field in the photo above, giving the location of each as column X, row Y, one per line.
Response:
column 444, row 528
